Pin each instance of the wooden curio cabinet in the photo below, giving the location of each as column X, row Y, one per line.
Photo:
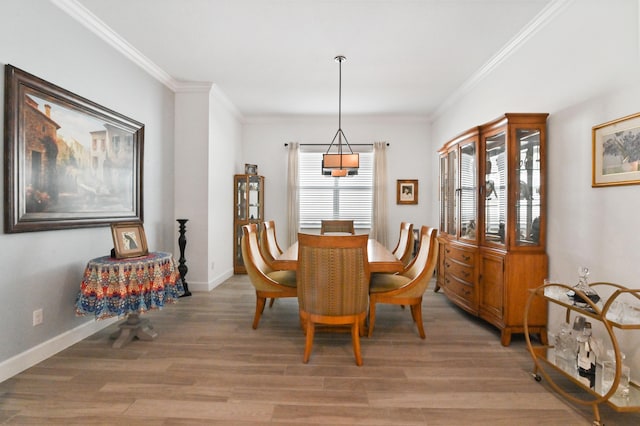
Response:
column 248, row 207
column 493, row 221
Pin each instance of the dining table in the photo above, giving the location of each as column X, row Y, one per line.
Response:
column 381, row 259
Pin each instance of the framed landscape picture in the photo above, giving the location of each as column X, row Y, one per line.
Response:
column 616, row 152
column 69, row 162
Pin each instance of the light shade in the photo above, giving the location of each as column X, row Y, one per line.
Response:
column 340, row 164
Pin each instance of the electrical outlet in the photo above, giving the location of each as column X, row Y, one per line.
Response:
column 38, row 317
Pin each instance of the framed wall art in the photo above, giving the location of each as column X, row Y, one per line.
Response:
column 616, row 152
column 250, row 169
column 69, row 162
column 407, row 192
column 129, row 239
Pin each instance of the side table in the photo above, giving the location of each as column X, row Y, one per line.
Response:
column 117, row 287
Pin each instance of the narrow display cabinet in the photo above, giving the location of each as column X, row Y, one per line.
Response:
column 616, row 314
column 493, row 221
column 248, row 204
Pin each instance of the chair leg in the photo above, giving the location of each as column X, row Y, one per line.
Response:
column 308, row 341
column 260, row 302
column 416, row 313
column 355, row 337
column 273, row 299
column 372, row 316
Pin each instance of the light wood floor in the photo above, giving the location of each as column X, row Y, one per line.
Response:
column 208, row 366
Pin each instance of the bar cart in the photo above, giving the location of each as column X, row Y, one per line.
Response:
column 546, row 362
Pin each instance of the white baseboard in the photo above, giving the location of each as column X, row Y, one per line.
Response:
column 44, row 350
column 208, row 286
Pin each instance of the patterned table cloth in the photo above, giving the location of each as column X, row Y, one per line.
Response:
column 116, row 287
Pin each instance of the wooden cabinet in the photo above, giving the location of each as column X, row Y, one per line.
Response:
column 248, row 207
column 493, row 220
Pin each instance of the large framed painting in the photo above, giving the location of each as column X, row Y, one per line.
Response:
column 616, row 152
column 69, row 162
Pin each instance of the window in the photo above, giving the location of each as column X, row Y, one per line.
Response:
column 326, row 197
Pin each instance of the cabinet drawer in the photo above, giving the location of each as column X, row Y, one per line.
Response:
column 463, row 256
column 460, row 288
column 458, row 270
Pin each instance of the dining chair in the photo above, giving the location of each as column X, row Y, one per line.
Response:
column 333, row 285
column 342, row 226
column 268, row 282
column 268, row 242
column 408, row 287
column 404, row 248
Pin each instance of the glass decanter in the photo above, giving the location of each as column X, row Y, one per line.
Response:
column 584, row 288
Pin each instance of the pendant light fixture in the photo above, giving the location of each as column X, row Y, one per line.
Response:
column 340, row 164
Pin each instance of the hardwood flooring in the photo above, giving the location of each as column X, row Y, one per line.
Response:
column 208, row 366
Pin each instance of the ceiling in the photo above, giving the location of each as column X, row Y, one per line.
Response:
column 276, row 57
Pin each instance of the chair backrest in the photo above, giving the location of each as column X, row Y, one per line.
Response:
column 257, row 268
column 346, row 226
column 333, row 274
column 404, row 248
column 270, row 248
column 421, row 268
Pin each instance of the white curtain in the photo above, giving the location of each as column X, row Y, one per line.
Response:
column 292, row 194
column 379, row 229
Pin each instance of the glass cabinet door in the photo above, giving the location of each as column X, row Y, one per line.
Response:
column 495, row 189
column 527, row 187
column 443, row 193
column 468, row 191
column 254, row 198
column 452, row 189
column 241, row 199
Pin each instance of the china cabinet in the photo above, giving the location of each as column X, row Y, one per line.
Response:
column 617, row 312
column 248, row 207
column 493, row 221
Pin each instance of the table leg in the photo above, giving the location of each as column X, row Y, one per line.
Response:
column 133, row 327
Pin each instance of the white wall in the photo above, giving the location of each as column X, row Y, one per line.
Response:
column 583, row 69
column 192, row 180
column 44, row 269
column 226, row 142
column 408, row 157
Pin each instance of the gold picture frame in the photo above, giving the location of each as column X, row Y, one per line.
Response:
column 129, row 240
column 616, row 152
column 407, row 191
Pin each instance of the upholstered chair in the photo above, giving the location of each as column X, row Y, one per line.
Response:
column 267, row 282
column 337, row 226
column 407, row 288
column 404, row 248
column 268, row 242
column 333, row 285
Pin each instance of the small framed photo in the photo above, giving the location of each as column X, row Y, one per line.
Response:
column 129, row 239
column 616, row 152
column 250, row 169
column 407, row 191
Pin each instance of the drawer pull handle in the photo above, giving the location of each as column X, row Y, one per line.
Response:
column 465, row 257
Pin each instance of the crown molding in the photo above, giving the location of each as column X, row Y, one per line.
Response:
column 546, row 15
column 102, row 30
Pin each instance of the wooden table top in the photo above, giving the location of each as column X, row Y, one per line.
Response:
column 380, row 258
